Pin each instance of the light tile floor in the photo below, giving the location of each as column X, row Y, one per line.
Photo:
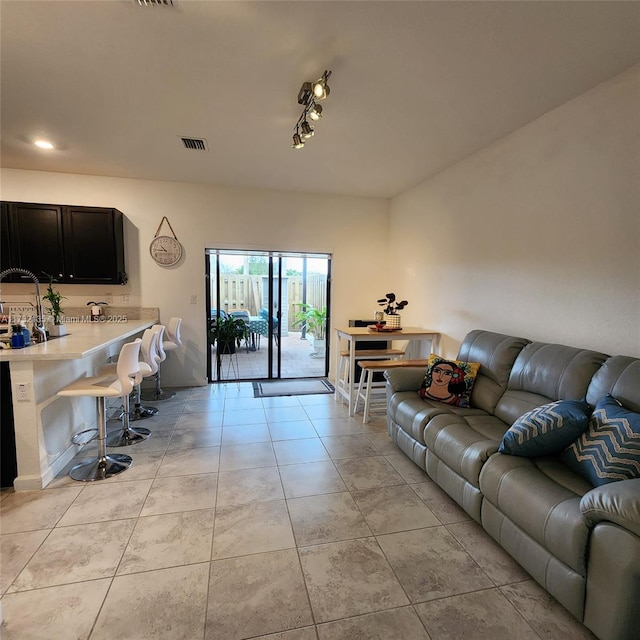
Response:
column 243, row 519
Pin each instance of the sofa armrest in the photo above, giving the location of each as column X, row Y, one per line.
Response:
column 617, row 502
column 405, row 378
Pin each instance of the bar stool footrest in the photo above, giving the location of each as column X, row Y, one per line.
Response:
column 81, row 440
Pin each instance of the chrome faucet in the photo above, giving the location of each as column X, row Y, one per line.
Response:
column 38, row 324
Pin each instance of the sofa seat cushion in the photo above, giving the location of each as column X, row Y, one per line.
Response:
column 464, row 442
column 411, row 413
column 542, row 497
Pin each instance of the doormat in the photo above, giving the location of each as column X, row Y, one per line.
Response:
column 298, row 387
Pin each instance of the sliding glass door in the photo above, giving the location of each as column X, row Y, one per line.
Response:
column 282, row 302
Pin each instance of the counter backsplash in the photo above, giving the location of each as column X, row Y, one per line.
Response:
column 111, row 314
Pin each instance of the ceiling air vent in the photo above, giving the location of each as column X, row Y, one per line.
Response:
column 154, row 3
column 195, row 144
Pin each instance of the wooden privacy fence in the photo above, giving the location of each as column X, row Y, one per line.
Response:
column 238, row 291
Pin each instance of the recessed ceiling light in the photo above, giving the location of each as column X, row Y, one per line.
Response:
column 43, row 144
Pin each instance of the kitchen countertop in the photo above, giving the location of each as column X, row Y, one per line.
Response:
column 82, row 339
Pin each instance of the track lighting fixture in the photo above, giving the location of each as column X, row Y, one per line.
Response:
column 309, row 95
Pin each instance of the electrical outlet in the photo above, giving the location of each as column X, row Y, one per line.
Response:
column 23, row 391
column 124, row 297
column 108, row 298
column 194, row 299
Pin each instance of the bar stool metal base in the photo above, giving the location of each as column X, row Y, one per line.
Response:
column 127, row 436
column 101, row 468
column 141, row 413
column 154, row 396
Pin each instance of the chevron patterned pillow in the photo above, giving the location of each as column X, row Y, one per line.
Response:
column 547, row 429
column 609, row 450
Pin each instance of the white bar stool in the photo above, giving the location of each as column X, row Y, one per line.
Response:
column 157, row 394
column 148, row 367
column 101, row 388
column 368, row 390
column 128, row 435
column 174, row 339
column 172, row 343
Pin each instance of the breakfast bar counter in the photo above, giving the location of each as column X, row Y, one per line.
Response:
column 44, row 422
column 82, row 340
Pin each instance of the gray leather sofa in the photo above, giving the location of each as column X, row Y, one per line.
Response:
column 582, row 544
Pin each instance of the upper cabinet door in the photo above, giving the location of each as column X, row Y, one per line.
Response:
column 5, row 245
column 93, row 245
column 35, row 232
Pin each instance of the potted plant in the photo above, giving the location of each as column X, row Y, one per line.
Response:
column 228, row 333
column 391, row 308
column 53, row 297
column 314, row 321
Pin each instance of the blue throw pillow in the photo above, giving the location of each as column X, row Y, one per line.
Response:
column 609, row 450
column 547, row 429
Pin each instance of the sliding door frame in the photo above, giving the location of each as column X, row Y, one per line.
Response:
column 274, row 295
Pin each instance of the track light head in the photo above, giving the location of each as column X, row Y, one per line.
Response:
column 315, row 113
column 297, row 141
column 320, row 87
column 307, row 130
column 319, row 91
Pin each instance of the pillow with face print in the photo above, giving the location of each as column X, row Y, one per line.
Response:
column 449, row 381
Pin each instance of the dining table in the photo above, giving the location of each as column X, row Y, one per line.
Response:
column 258, row 326
column 353, row 335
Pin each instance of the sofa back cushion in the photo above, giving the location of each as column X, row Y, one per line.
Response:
column 620, row 377
column 496, row 354
column 544, row 373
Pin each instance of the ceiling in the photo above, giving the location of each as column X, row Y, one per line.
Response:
column 416, row 86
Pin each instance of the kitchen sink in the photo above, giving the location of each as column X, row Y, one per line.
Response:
column 5, row 339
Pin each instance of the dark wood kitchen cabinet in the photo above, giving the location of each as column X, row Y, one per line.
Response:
column 35, row 240
column 93, row 245
column 83, row 245
column 5, row 252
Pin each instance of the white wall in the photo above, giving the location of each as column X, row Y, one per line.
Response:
column 537, row 235
column 354, row 230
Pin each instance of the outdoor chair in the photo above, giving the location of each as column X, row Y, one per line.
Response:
column 263, row 313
